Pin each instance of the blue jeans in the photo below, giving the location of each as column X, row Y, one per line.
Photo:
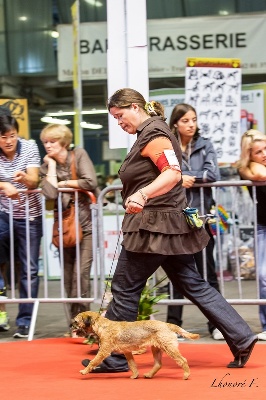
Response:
column 2, row 283
column 20, row 243
column 261, row 270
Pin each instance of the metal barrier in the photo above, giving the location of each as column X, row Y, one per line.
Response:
column 13, row 297
column 227, row 193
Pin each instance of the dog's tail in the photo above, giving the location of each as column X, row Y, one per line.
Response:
column 183, row 332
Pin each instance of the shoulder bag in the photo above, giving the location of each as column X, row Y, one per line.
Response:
column 68, row 219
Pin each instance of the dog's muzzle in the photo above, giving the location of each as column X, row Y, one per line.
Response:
column 78, row 330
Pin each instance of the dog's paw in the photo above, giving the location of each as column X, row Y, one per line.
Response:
column 83, row 371
column 148, row 375
column 186, row 375
column 134, row 376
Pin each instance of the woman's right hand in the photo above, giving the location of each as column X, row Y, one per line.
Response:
column 135, row 203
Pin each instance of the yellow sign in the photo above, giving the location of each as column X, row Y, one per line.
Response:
column 19, row 110
column 213, row 62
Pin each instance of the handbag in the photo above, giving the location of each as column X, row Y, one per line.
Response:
column 68, row 220
column 68, row 228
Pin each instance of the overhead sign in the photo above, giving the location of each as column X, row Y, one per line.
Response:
column 170, row 43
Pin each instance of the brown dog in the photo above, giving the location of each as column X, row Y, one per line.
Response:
column 125, row 337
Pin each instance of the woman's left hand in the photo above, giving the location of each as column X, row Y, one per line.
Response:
column 49, row 160
column 188, row 181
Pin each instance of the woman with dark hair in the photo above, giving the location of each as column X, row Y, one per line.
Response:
column 199, row 165
column 19, row 169
column 155, row 230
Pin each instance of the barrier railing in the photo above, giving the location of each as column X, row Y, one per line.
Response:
column 228, row 193
column 13, row 295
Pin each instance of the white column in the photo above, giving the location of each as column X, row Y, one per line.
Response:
column 127, row 57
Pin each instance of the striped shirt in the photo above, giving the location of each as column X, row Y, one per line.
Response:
column 27, row 156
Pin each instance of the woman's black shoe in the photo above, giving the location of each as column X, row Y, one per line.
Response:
column 242, row 358
column 103, row 368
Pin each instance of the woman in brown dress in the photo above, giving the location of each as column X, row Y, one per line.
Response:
column 155, row 231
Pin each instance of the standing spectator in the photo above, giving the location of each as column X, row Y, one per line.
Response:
column 155, row 231
column 4, row 320
column 252, row 166
column 199, row 165
column 56, row 173
column 4, row 265
column 19, row 169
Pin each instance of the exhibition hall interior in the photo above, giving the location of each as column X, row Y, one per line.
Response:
column 29, row 64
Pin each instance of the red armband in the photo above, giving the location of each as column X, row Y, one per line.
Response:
column 162, row 162
column 168, row 159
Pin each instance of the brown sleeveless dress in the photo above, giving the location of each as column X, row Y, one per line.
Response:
column 161, row 227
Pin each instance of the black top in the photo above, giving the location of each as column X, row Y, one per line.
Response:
column 161, row 227
column 261, row 199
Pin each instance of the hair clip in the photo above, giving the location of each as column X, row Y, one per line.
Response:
column 149, row 107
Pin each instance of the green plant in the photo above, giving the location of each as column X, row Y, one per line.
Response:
column 148, row 299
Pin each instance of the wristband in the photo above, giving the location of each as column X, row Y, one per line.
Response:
column 143, row 195
column 65, row 184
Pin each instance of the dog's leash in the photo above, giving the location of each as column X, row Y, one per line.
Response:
column 109, row 276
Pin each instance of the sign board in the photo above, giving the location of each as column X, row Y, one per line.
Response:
column 112, row 241
column 213, row 87
column 253, row 109
column 252, row 102
column 169, row 98
column 170, row 42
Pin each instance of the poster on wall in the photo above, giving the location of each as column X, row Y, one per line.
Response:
column 112, row 241
column 169, row 98
column 252, row 113
column 213, row 87
column 19, row 110
column 252, row 109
